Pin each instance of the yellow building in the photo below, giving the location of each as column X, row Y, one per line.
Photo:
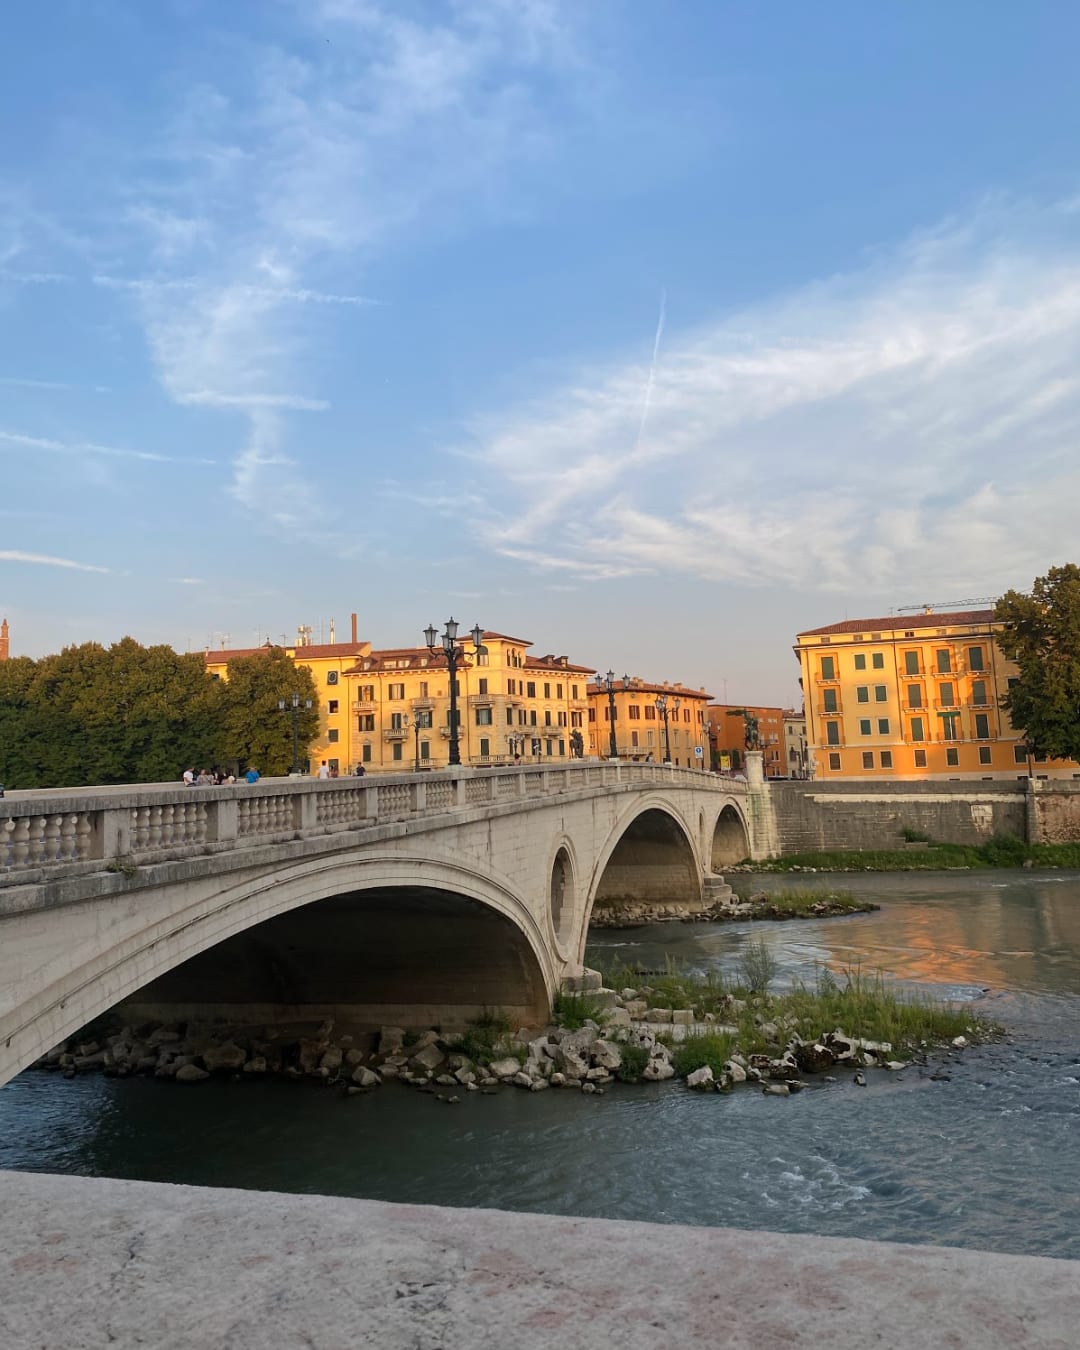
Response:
column 511, row 707
column 641, row 732
column 912, row 697
column 328, row 663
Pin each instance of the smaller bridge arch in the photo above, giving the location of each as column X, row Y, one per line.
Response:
column 730, row 838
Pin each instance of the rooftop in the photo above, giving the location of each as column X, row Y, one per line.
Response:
column 906, row 622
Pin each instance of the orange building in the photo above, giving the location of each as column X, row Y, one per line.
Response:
column 641, row 730
column 727, row 737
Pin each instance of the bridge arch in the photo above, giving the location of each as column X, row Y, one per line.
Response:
column 511, row 967
column 730, row 838
column 650, row 856
column 563, row 895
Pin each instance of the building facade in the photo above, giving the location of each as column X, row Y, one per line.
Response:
column 912, row 697
column 727, row 737
column 796, row 748
column 641, row 730
column 511, row 707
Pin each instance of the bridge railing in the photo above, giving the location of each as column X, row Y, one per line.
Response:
column 94, row 829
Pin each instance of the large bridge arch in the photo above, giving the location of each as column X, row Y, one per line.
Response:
column 512, row 968
column 730, row 840
column 650, row 856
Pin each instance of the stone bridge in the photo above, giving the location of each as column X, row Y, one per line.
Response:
column 416, row 899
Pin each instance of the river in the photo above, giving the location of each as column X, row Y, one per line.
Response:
column 989, row 1159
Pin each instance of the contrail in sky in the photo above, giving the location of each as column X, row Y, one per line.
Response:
column 652, row 371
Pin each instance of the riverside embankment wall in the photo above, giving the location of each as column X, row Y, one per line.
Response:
column 858, row 815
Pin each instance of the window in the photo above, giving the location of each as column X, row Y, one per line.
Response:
column 365, row 722
column 395, row 721
column 635, row 712
column 532, row 717
column 1020, row 753
column 860, row 660
column 633, row 738
column 332, row 736
column 423, row 717
column 911, row 663
column 886, row 759
column 482, row 683
column 944, row 661
column 881, row 693
column 547, row 689
column 558, row 691
column 332, row 706
column 366, row 755
column 868, row 759
column 530, row 689
column 914, row 696
column 649, row 737
column 511, row 686
column 952, row 758
column 834, row 763
column 650, row 713
column 549, row 748
column 509, row 717
column 975, row 658
column 877, row 660
column 331, row 677
column 396, row 749
column 883, row 726
column 978, row 693
column 829, row 703
column 547, row 717
column 985, row 754
column 828, row 668
column 485, row 747
column 686, row 714
column 982, row 726
column 423, row 689
column 950, row 726
column 395, row 691
column 1013, row 680
column 917, row 729
column 573, row 691
column 425, row 749
column 864, row 726
column 333, row 765
column 562, row 748
column 367, row 693
column 920, row 759
column 562, row 719
column 945, row 694
column 862, row 693
column 832, row 733
column 483, row 717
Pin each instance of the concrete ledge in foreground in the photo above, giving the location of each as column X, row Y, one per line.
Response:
column 87, row 1262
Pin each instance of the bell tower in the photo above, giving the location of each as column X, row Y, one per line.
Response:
column 4, row 643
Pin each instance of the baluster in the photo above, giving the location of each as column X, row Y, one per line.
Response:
column 50, row 844
column 37, row 838
column 84, row 832
column 201, row 813
column 69, row 848
column 20, row 842
column 169, row 831
column 7, row 843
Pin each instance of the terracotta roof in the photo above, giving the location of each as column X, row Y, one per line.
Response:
column 555, row 663
column 641, row 687
column 313, row 653
column 907, row 622
column 503, row 637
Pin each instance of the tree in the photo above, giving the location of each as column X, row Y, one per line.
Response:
column 254, row 730
column 1041, row 633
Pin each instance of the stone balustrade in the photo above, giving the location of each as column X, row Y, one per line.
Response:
column 87, row 829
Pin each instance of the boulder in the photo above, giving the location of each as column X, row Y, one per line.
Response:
column 958, row 1041
column 447, row 1080
column 387, row 1071
column 84, row 1063
column 391, row 1040
column 605, row 1055
column 636, row 1008
column 582, row 1039
column 311, row 1052
column 657, row 1070
column 735, row 1071
column 626, row 994
column 257, row 1064
column 538, row 1085
column 190, row 1073
column 505, row 1068
column 588, row 982
column 422, row 1041
column 776, row 1090
column 226, row 1056
column 522, row 1079
column 701, row 1078
column 683, row 1017
column 163, row 1036
column 366, row 1078
column 466, row 1077
column 618, row 1017
column 331, row 1060
column 541, row 1048
column 558, row 1080
column 814, row 1058
column 353, row 1058
column 428, row 1058
column 658, row 1015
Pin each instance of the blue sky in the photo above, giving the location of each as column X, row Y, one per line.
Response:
column 653, row 333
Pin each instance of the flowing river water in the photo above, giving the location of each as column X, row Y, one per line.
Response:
column 989, row 1159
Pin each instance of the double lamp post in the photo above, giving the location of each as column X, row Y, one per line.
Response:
column 294, row 705
column 456, row 656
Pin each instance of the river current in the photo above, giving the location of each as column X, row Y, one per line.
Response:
column 988, row 1159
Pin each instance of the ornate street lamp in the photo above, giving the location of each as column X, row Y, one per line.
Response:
column 608, row 682
column 455, row 656
column 416, row 725
column 294, row 705
column 666, row 709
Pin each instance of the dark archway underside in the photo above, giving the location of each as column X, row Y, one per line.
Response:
column 652, row 864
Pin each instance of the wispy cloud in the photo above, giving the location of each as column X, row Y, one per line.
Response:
column 298, row 295
column 912, row 422
column 32, row 278
column 16, row 438
column 46, row 560
column 18, row 382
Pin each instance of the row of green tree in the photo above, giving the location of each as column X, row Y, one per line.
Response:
column 133, row 714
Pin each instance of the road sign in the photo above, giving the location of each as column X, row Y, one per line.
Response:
column 699, row 753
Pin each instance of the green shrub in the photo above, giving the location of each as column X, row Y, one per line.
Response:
column 483, row 1036
column 712, row 1049
column 572, row 1011
column 1004, row 850
column 634, row 1060
column 758, row 966
column 914, row 836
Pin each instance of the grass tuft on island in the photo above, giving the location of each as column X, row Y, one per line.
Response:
column 796, row 904
column 927, row 856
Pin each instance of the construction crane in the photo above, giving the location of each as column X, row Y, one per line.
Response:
column 930, row 606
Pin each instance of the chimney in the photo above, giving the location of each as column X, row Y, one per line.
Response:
column 354, row 637
column 333, row 633
column 4, row 641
